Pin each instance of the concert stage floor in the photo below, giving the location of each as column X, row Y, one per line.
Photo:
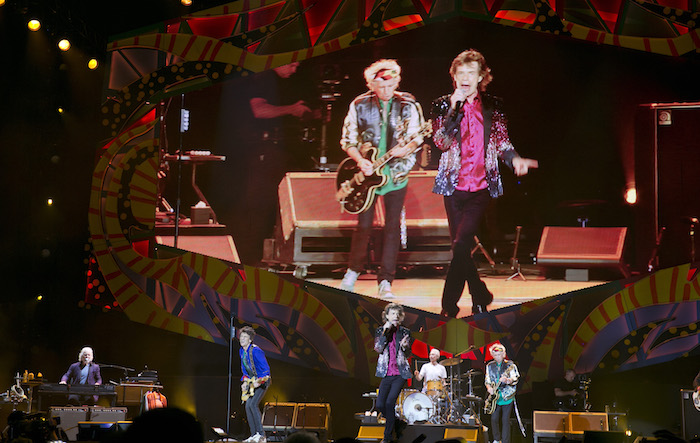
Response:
column 426, row 292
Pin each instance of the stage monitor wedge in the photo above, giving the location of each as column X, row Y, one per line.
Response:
column 582, row 248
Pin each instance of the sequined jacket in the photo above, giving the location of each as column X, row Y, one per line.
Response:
column 447, row 138
column 363, row 124
column 493, row 375
column 381, row 345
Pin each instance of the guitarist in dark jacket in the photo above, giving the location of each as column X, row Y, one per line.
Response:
column 382, row 118
column 501, row 379
column 256, row 381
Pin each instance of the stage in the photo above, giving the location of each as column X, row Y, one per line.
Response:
column 425, row 292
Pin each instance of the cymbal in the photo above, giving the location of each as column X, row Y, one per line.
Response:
column 471, row 372
column 473, row 398
column 451, row 361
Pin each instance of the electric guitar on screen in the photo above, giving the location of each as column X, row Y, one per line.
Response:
column 355, row 189
column 696, row 399
column 249, row 385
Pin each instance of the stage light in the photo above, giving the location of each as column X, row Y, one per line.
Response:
column 2, row 2
column 93, row 64
column 49, row 202
column 64, row 44
column 34, row 25
column 39, row 297
column 631, row 196
column 60, row 110
column 186, row 2
column 628, row 432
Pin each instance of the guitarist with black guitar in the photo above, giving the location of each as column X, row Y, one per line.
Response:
column 380, row 121
column 501, row 379
column 256, row 381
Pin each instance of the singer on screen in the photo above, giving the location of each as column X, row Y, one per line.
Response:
column 470, row 128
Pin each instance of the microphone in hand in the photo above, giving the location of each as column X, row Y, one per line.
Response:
column 457, row 110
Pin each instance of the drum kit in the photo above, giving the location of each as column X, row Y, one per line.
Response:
column 442, row 402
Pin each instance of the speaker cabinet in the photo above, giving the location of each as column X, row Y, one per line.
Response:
column 691, row 416
column 217, row 246
column 667, row 160
column 567, row 424
column 550, row 422
column 579, row 422
column 278, row 416
column 585, row 248
column 67, row 418
column 107, row 414
column 314, row 230
column 312, row 416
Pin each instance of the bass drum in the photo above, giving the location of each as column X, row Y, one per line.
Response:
column 418, row 407
column 403, row 395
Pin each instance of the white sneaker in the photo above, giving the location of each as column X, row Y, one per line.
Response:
column 348, row 283
column 255, row 438
column 261, row 439
column 384, row 290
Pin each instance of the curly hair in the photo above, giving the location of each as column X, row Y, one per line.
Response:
column 472, row 55
column 393, row 306
column 249, row 331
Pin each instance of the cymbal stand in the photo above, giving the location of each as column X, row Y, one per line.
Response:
column 451, row 416
column 654, row 259
column 480, row 247
column 471, row 410
column 514, row 264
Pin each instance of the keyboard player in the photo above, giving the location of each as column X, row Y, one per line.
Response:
column 84, row 372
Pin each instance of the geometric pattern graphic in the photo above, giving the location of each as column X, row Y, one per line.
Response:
column 612, row 327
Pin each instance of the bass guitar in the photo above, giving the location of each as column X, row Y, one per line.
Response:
column 355, row 190
column 249, row 384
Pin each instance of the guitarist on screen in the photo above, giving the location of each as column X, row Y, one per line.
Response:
column 379, row 121
column 501, row 379
column 256, row 380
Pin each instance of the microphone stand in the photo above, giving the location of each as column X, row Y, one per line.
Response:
column 232, row 335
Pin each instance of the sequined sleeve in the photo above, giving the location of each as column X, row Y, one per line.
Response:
column 500, row 137
column 444, row 128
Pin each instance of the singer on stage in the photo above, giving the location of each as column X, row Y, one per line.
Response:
column 393, row 343
column 470, row 128
column 256, row 381
column 83, row 372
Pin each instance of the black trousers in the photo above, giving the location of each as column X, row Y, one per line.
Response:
column 465, row 210
column 500, row 422
column 389, row 390
column 393, row 204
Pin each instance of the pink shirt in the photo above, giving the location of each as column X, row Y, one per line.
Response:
column 472, row 173
column 393, row 368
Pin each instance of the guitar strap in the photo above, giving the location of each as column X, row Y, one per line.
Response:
column 517, row 415
column 250, row 363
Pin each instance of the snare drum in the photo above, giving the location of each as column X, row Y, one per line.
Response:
column 434, row 388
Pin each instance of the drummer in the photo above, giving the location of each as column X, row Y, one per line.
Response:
column 433, row 373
